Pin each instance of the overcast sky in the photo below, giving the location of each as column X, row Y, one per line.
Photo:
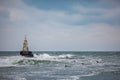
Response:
column 71, row 25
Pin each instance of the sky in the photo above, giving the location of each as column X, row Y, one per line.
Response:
column 60, row 25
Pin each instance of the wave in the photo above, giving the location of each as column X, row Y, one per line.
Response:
column 6, row 61
column 43, row 58
column 38, row 58
column 69, row 59
column 90, row 74
column 47, row 56
column 31, row 62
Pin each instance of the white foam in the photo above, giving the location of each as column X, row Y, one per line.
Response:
column 91, row 61
column 65, row 56
column 43, row 56
column 9, row 60
column 91, row 74
column 69, row 78
column 18, row 78
column 47, row 56
column 74, row 77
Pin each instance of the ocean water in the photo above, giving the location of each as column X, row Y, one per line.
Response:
column 60, row 65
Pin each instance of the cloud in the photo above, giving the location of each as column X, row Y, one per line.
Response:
column 100, row 14
column 58, row 30
column 17, row 15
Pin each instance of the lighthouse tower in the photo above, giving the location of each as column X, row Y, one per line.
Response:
column 25, row 51
column 25, row 46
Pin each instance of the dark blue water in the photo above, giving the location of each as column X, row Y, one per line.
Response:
column 60, row 65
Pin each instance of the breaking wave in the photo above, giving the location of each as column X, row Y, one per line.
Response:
column 68, row 59
column 40, row 58
column 47, row 56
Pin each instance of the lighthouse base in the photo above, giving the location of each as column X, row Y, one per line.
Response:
column 26, row 53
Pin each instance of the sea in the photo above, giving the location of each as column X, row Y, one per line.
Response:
column 60, row 65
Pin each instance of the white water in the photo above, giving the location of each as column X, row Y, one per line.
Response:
column 67, row 58
column 6, row 61
column 10, row 60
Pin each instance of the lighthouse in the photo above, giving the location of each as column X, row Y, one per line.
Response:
column 25, row 51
